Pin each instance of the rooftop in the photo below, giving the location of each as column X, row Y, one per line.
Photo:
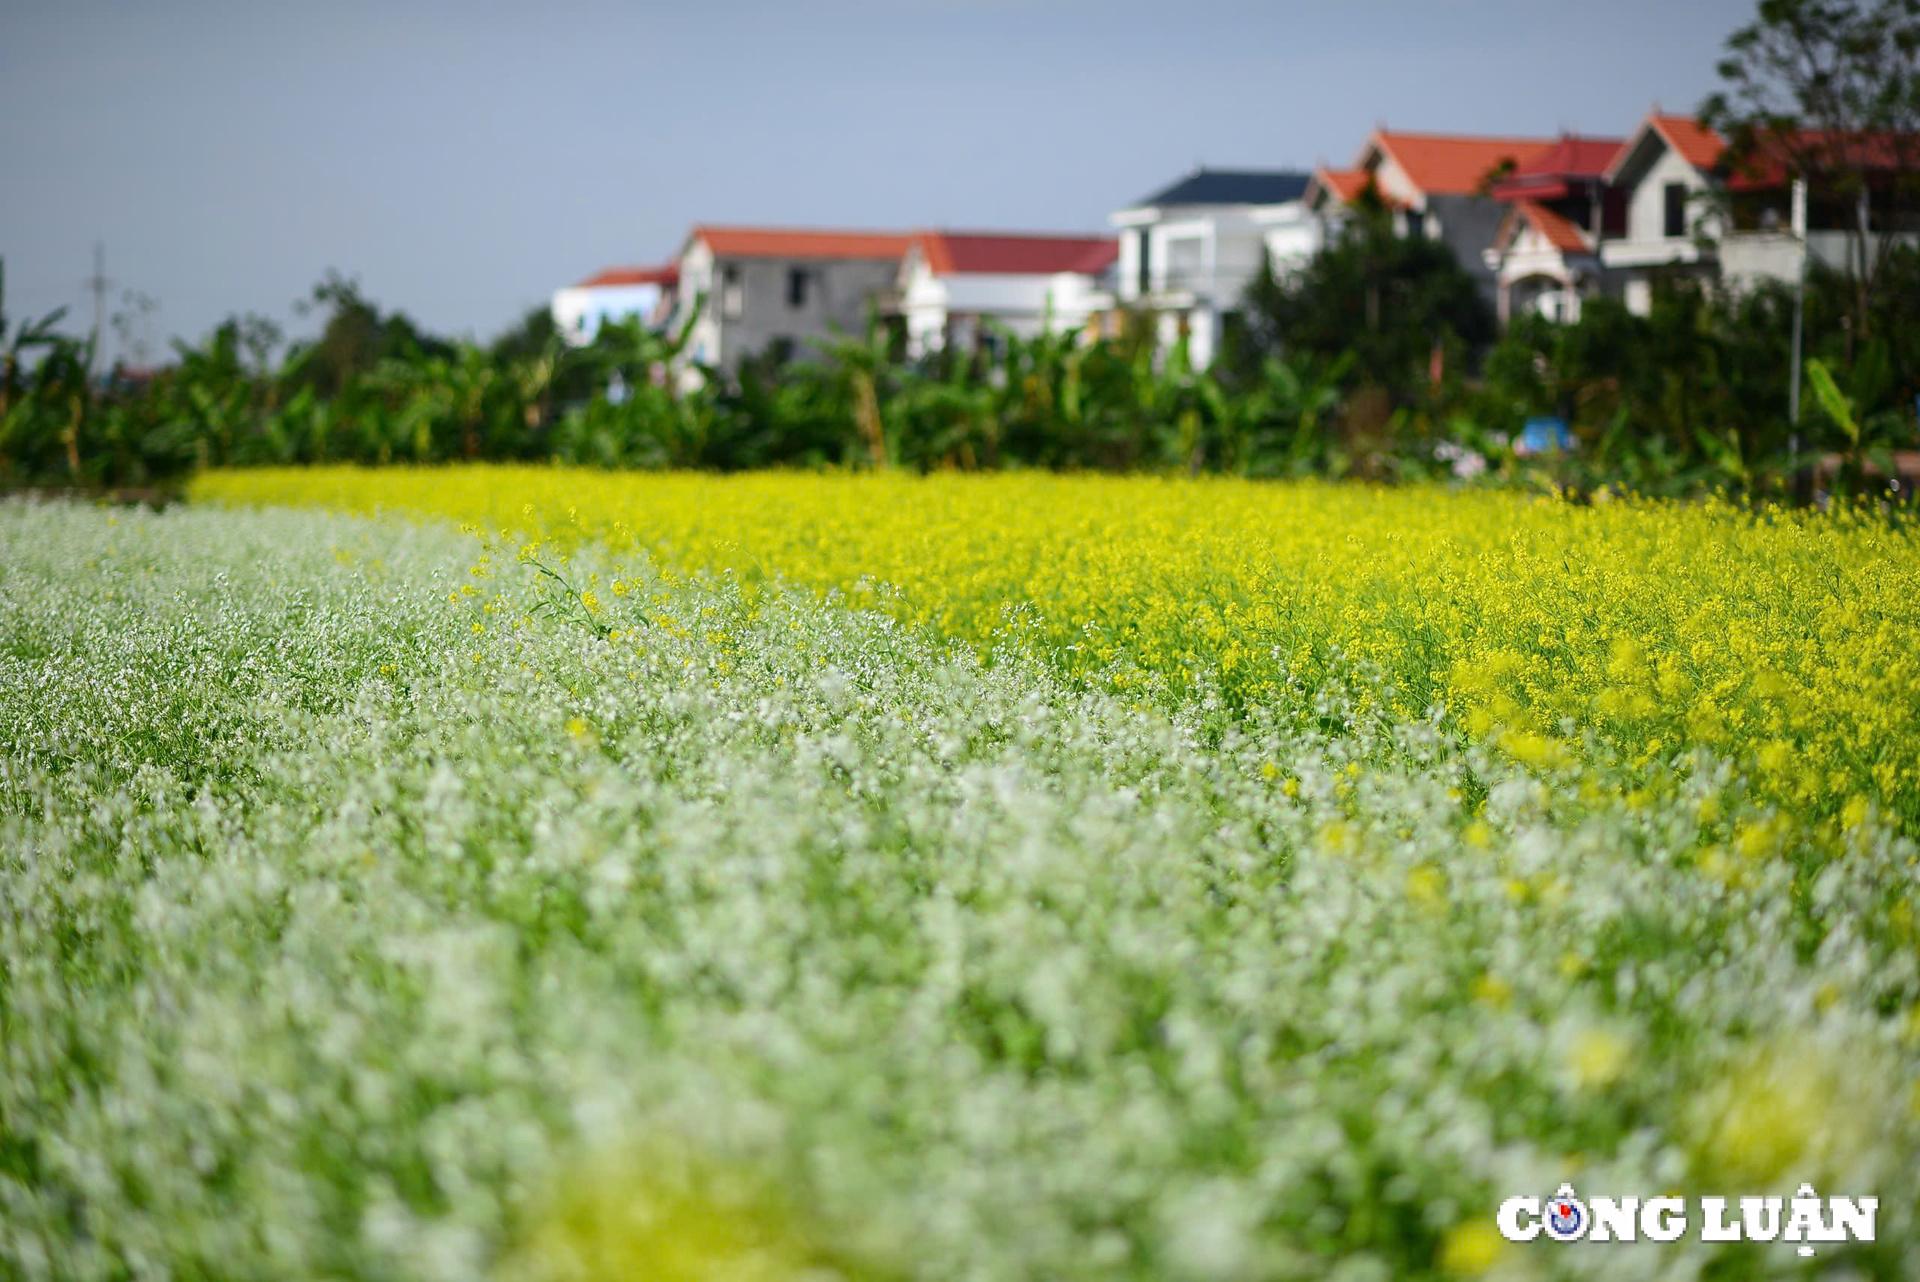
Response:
column 795, row 242
column 1549, row 173
column 1555, row 229
column 1016, row 254
column 1698, row 145
column 618, row 276
column 1452, row 164
column 1230, row 187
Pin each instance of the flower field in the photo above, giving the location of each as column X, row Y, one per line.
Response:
column 1783, row 643
column 966, row 878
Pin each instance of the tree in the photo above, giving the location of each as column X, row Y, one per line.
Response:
column 356, row 338
column 1829, row 91
column 1386, row 298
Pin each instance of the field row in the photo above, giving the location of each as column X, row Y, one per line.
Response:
column 372, row 907
column 1781, row 641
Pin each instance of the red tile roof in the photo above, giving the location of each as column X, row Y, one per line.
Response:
column 1556, row 229
column 1571, row 156
column 1452, row 164
column 780, row 242
column 1549, row 174
column 1344, row 185
column 1698, row 145
column 664, row 276
column 948, row 253
column 1772, row 158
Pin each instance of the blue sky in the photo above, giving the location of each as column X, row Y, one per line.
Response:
column 463, row 160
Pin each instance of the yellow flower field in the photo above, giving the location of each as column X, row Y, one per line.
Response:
column 1787, row 642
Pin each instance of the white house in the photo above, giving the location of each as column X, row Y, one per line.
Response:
column 1543, row 262
column 1293, row 233
column 1690, row 210
column 952, row 283
column 1667, row 169
column 1559, row 210
column 619, row 293
column 1189, row 251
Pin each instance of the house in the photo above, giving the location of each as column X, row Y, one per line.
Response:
column 1668, row 171
column 1545, row 256
column 1189, row 251
column 770, row 290
column 1691, row 210
column 952, row 283
column 1438, row 186
column 619, row 293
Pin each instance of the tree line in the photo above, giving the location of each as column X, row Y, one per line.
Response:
column 1378, row 359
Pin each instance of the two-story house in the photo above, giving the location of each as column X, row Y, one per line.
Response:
column 1439, row 186
column 952, row 284
column 1692, row 210
column 1668, row 172
column 619, row 294
column 771, row 290
column 1545, row 257
column 1189, row 251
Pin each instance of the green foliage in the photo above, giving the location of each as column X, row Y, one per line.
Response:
column 1382, row 299
column 1833, row 402
column 1688, row 398
column 1695, row 394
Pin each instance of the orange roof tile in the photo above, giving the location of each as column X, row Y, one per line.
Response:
column 1773, row 157
column 1698, row 145
column 1556, row 229
column 1453, row 164
column 779, row 242
column 667, row 275
column 1344, row 185
column 1002, row 253
column 1347, row 186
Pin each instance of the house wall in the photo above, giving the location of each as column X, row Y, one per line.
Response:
column 1467, row 225
column 1024, row 303
column 1201, row 260
column 1646, row 248
column 579, row 313
column 838, row 293
column 1209, row 251
column 696, row 289
column 1293, row 234
column 1392, row 181
column 1751, row 259
column 1646, row 202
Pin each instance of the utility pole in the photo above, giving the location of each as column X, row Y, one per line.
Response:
column 98, row 283
column 1799, row 314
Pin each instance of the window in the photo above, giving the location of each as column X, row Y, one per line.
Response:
column 798, row 278
column 733, row 294
column 1416, row 224
column 1146, row 262
column 1676, row 194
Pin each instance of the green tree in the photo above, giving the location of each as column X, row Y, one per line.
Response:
column 356, row 337
column 1387, row 299
column 1829, row 91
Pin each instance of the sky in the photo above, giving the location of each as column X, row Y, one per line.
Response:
column 462, row 161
